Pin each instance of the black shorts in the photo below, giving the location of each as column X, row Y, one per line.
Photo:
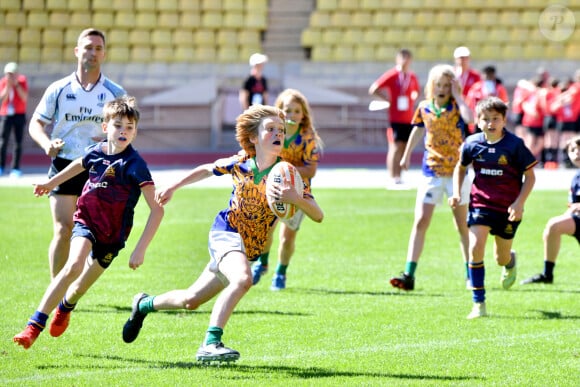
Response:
column 497, row 221
column 72, row 186
column 401, row 132
column 549, row 122
column 570, row 127
column 518, row 118
column 103, row 253
column 537, row 131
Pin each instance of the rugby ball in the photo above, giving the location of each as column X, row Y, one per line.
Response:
column 280, row 173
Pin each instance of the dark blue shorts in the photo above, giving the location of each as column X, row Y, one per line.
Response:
column 497, row 221
column 73, row 186
column 103, row 253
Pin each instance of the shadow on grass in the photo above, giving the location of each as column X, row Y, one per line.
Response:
column 555, row 315
column 394, row 292
column 127, row 309
column 254, row 370
column 544, row 289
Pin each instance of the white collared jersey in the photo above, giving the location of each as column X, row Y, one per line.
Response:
column 76, row 113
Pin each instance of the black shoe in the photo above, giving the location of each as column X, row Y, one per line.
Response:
column 216, row 352
column 538, row 279
column 133, row 325
column 404, row 281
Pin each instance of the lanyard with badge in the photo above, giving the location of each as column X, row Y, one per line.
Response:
column 402, row 100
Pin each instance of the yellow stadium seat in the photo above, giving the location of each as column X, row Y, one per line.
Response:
column 232, row 5
column 190, row 20
column 475, row 4
column 51, row 54
column 445, row 18
column 519, row 4
column 168, row 20
column 320, row 19
column 257, row 5
column 9, row 52
column 499, row 35
column 572, row 50
column 488, row 51
column 536, row 35
column 534, row 51
column 15, row 19
column 138, row 37
column 33, row 5
column 411, row 4
column 226, row 37
column 204, row 37
column 145, row 5
column 415, row 35
column 364, row 53
column 519, row 34
column 394, row 36
column 466, row 18
column 141, row 54
column 104, row 19
column 403, row 18
column 321, row 53
column 343, row 53
column 508, row 17
column 373, row 36
column 184, row 54
column 10, row 5
column 431, row 52
column 353, row 36
column 161, row 37
column 349, row 4
column 205, row 54
column 211, row 19
column 147, row 19
column 79, row 5
column 37, row 19
column 371, row 5
column 183, row 37
column 118, row 36
column 124, row 5
column 234, row 19
column 433, row 4
column 56, row 5
column 249, row 37
column 118, row 54
column 246, row 50
column 103, row 5
column 211, row 5
column 310, row 37
column 71, row 36
column 59, row 19
column 423, row 18
column 29, row 54
column 512, row 51
column 340, row 19
column 361, row 18
column 8, row 36
column 435, row 35
column 457, row 35
column 332, row 35
column 80, row 19
column 383, row 19
column 256, row 20
column 555, row 50
column 228, row 54
column 52, row 37
column 168, row 5
column 487, row 18
column 386, row 53
column 477, row 34
column 30, row 36
column 529, row 18
column 163, row 53
column 125, row 19
column 329, row 5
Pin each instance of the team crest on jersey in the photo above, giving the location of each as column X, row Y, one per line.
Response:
column 110, row 172
column 502, row 160
column 102, row 99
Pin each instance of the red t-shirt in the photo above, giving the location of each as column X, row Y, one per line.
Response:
column 403, row 89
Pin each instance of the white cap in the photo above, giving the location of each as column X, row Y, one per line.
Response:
column 258, row 58
column 461, row 52
column 11, row 67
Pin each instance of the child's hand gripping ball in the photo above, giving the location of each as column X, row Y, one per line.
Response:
column 283, row 173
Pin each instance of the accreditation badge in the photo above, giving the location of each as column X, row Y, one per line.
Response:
column 402, row 103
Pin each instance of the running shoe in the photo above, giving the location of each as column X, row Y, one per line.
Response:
column 508, row 276
column 216, row 352
column 59, row 323
column 538, row 279
column 27, row 337
column 257, row 270
column 278, row 282
column 404, row 281
column 477, row 311
column 135, row 322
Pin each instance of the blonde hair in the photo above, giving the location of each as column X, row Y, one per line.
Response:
column 124, row 106
column 436, row 73
column 248, row 124
column 307, row 122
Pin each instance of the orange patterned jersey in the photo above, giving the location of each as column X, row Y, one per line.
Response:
column 248, row 213
column 444, row 134
column 301, row 149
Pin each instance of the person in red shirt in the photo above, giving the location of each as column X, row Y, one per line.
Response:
column 400, row 87
column 13, row 98
column 533, row 117
column 488, row 86
column 566, row 107
column 465, row 74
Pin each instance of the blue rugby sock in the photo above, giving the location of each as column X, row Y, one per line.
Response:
column 477, row 275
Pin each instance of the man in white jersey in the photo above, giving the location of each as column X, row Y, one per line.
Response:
column 73, row 105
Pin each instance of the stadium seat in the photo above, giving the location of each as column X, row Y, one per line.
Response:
column 141, row 54
column 211, row 19
column 394, row 36
column 168, row 20
column 37, row 19
column 512, row 51
column 436, row 35
column 386, row 53
column 116, row 36
column 350, row 5
column 59, row 19
column 519, row 34
column 382, row 19
column 103, row 19
column 488, row 51
column 364, row 53
column 138, row 37
column 403, row 18
column 205, row 54
column 184, row 54
column 487, row 18
column 163, row 54
column 310, row 37
column 498, row 35
column 148, row 5
column 322, row 53
column 79, row 5
column 320, row 19
column 234, row 19
column 354, row 36
column 71, row 36
column 373, row 36
column 183, row 37
column 371, row 5
column 8, row 52
column 329, row 5
column 257, row 5
column 51, row 54
column 573, row 50
column 228, row 54
column 33, row 5
column 29, row 54
column 226, row 37
column 103, row 5
column 80, row 19
column 190, row 20
column 204, row 37
column 146, row 19
column 52, row 37
column 231, row 5
column 529, row 18
column 123, row 5
column 15, row 19
column 168, row 5
column 429, row 52
column 249, row 37
column 161, row 38
column 8, row 36
column 124, row 19
column 30, row 37
column 457, row 35
column 212, row 5
column 534, row 51
column 445, row 18
column 343, row 53
column 477, row 34
column 361, row 18
column 466, row 18
column 424, row 19
column 10, row 5
column 256, row 20
column 340, row 19
column 416, row 35
column 332, row 36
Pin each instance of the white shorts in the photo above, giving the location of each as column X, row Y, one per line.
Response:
column 432, row 189
column 294, row 222
column 221, row 243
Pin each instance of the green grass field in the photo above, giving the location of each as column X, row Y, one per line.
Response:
column 338, row 323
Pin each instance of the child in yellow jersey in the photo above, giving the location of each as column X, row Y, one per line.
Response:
column 441, row 121
column 302, row 147
column 239, row 233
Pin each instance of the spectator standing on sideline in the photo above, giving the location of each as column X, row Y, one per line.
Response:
column 465, row 74
column 13, row 97
column 488, row 86
column 400, row 87
column 74, row 106
column 255, row 88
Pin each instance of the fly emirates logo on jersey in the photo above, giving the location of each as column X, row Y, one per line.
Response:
column 84, row 114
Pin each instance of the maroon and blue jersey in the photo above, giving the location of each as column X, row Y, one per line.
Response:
column 111, row 193
column 499, row 169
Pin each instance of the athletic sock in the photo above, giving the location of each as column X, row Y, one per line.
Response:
column 410, row 268
column 65, row 306
column 264, row 258
column 213, row 335
column 549, row 269
column 38, row 319
column 477, row 275
column 281, row 269
column 146, row 305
